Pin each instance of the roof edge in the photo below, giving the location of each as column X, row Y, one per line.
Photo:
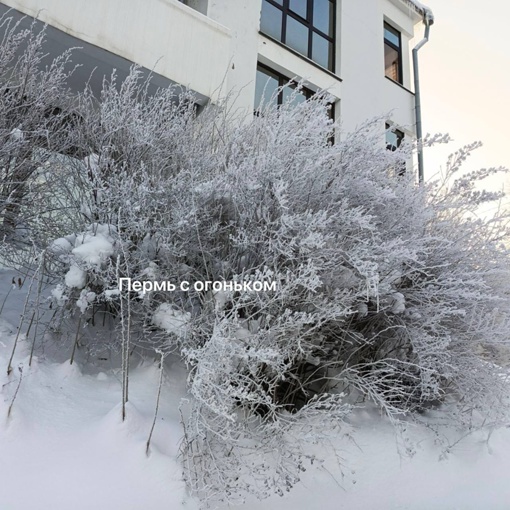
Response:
column 421, row 9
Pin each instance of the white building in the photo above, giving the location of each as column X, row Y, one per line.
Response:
column 359, row 50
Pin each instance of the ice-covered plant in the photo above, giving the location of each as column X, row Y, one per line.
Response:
column 36, row 123
column 383, row 290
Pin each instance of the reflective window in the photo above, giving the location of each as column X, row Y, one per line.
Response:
column 392, row 53
column 322, row 51
column 266, row 86
column 299, row 7
column 297, row 36
column 394, row 138
column 323, row 16
column 307, row 26
column 271, row 20
column 290, row 94
column 275, row 88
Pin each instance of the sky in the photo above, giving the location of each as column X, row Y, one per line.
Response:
column 465, row 82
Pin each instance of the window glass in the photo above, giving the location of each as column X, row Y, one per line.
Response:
column 392, row 54
column 265, row 88
column 323, row 16
column 275, row 88
column 391, row 63
column 297, row 36
column 290, row 94
column 299, row 24
column 391, row 35
column 394, row 138
column 321, row 51
column 299, row 7
column 271, row 20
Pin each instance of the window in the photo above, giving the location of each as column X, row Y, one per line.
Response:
column 392, row 53
column 307, row 26
column 268, row 88
column 394, row 138
column 276, row 88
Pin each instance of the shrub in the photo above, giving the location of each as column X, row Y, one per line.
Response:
column 36, row 120
column 385, row 291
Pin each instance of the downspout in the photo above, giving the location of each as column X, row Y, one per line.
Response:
column 428, row 21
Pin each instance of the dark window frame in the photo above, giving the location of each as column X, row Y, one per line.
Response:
column 399, row 134
column 284, row 81
column 287, row 12
column 398, row 49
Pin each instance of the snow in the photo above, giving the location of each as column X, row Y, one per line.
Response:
column 111, row 293
column 399, row 302
column 61, row 246
column 92, row 162
column 422, row 7
column 374, row 476
column 65, row 445
column 85, row 299
column 151, row 272
column 58, row 294
column 16, row 134
column 93, row 249
column 171, row 320
column 76, row 277
column 221, row 298
column 65, row 442
column 86, row 210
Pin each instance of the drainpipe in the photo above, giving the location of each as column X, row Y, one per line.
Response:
column 428, row 21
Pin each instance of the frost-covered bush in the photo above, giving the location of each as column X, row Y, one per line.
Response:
column 385, row 291
column 36, row 126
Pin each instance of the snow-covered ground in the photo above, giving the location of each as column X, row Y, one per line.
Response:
column 65, row 446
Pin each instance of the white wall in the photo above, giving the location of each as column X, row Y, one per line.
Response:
column 294, row 66
column 165, row 35
column 361, row 88
column 243, row 20
column 366, row 91
column 218, row 53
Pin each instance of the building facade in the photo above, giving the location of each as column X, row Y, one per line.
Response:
column 358, row 50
